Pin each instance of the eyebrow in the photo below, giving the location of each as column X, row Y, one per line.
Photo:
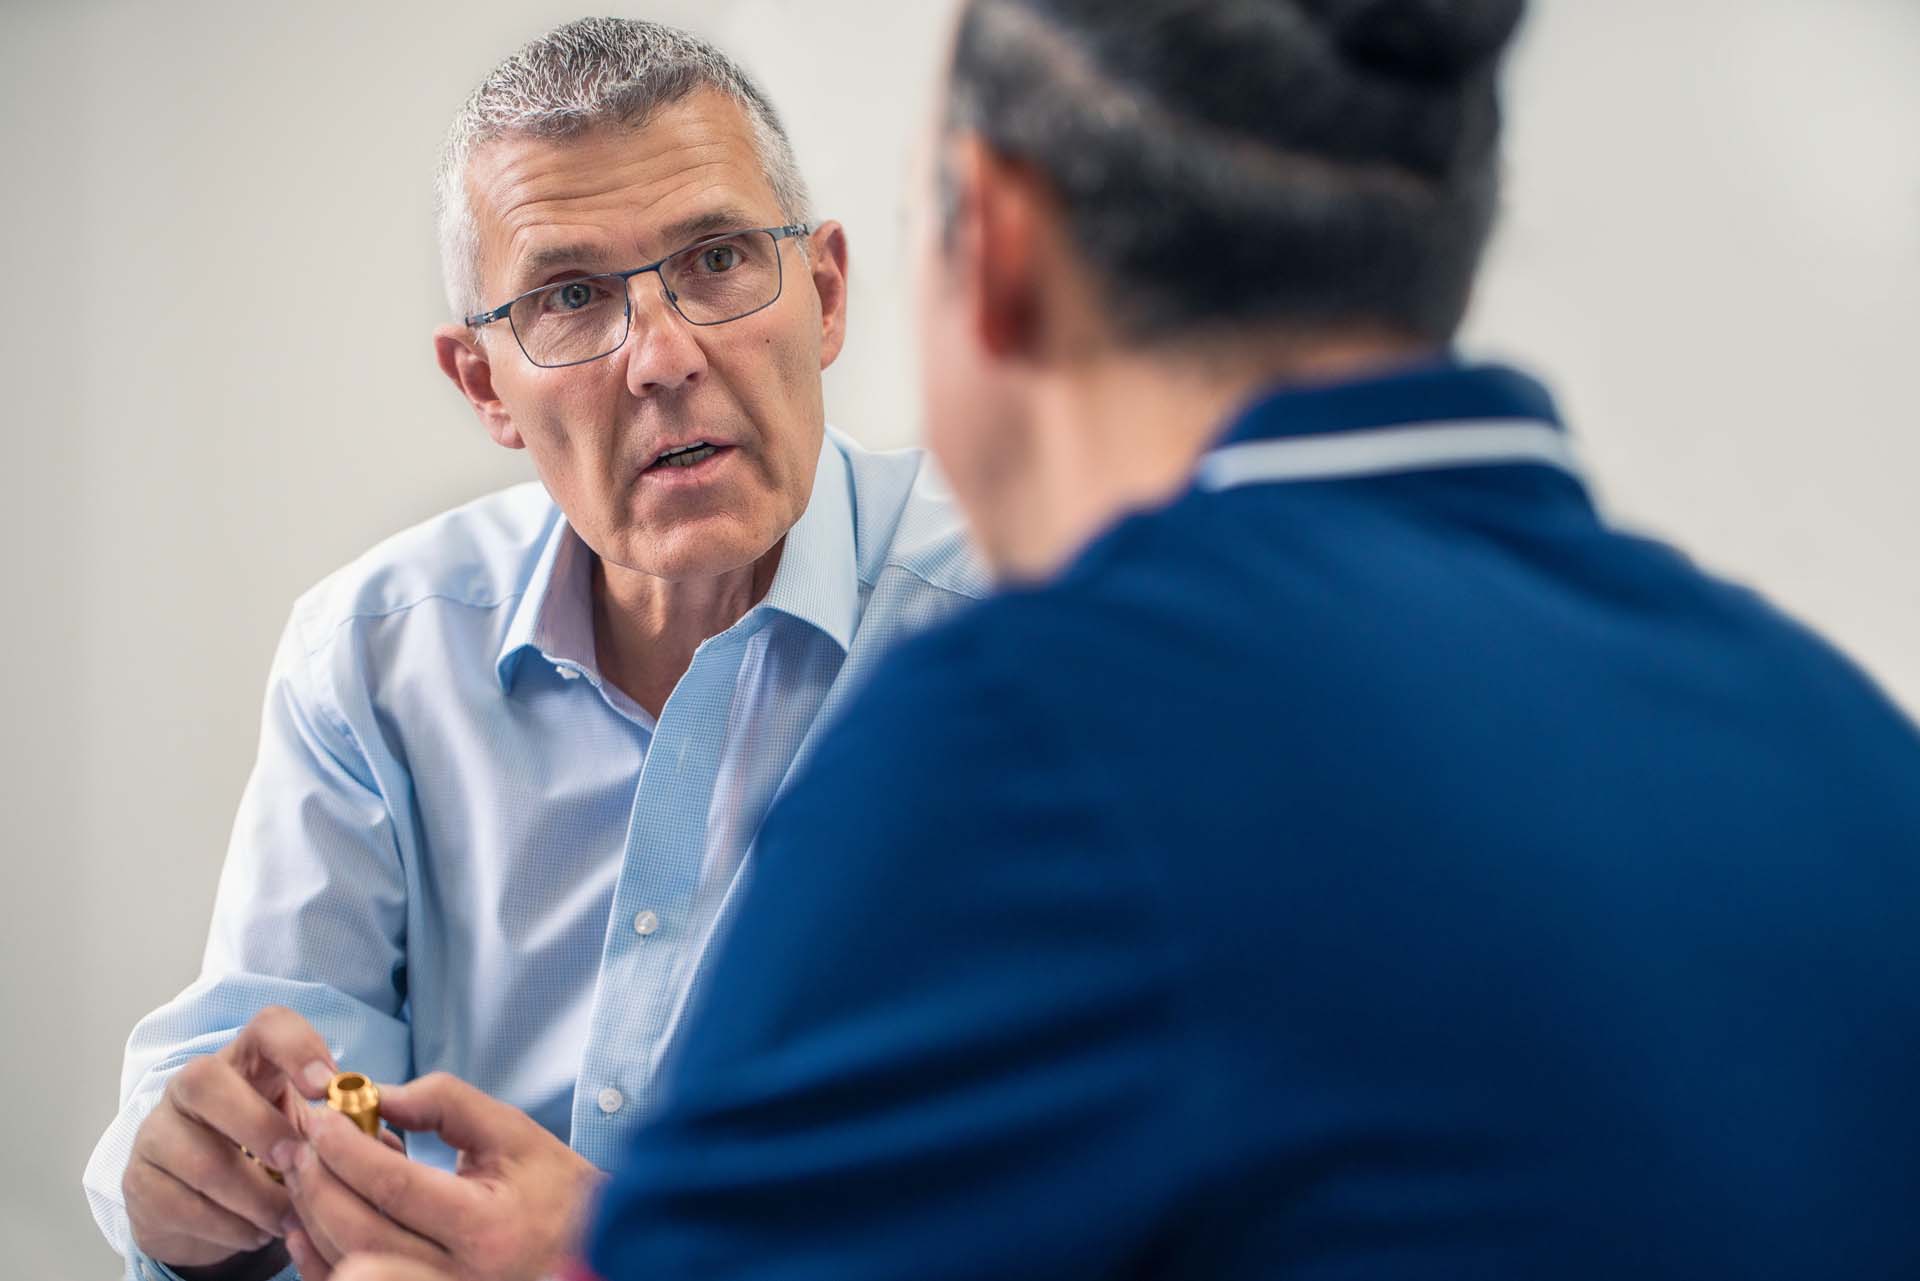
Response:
column 700, row 226
column 679, row 235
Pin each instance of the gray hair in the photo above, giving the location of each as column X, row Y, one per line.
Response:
column 585, row 74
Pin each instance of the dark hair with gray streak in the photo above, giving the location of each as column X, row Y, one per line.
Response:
column 1308, row 165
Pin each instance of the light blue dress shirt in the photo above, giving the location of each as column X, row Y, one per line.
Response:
column 461, row 849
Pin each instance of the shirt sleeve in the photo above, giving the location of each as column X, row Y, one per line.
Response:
column 142, row 1268
column 310, row 914
column 935, row 1042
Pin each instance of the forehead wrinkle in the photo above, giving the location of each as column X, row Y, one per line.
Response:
column 521, row 183
column 703, row 130
column 532, row 218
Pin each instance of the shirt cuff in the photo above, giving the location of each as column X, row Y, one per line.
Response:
column 145, row 1269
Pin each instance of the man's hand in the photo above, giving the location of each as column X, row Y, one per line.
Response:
column 193, row 1198
column 385, row 1267
column 514, row 1212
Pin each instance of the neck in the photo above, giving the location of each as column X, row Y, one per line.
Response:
column 646, row 629
column 1122, row 431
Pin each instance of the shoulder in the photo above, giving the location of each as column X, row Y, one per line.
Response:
column 957, row 790
column 906, row 523
column 480, row 555
column 947, row 709
column 1021, row 662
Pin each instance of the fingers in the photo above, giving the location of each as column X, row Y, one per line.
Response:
column 310, row 1263
column 187, row 1182
column 430, row 1202
column 466, row 1118
column 367, row 1267
column 204, row 1161
column 211, row 1092
column 314, row 1238
column 175, row 1222
column 337, row 1218
column 279, row 1047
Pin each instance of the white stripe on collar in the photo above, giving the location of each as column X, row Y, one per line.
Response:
column 1386, row 450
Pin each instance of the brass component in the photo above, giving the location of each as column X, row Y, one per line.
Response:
column 268, row 1170
column 351, row 1095
column 357, row 1099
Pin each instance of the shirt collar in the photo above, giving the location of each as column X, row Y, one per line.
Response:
column 1437, row 392
column 555, row 615
column 817, row 581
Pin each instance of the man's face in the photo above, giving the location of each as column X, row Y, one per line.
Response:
column 615, row 198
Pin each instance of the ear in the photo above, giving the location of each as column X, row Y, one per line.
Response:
column 464, row 360
column 827, row 254
column 1000, row 221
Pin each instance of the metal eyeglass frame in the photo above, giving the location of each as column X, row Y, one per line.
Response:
column 505, row 309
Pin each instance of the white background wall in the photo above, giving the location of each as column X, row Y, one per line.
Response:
column 218, row 276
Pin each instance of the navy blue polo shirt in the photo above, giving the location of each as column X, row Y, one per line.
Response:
column 1370, row 865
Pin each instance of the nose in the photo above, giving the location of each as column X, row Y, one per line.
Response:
column 661, row 352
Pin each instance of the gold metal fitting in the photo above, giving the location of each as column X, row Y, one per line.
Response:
column 356, row 1098
column 265, row 1169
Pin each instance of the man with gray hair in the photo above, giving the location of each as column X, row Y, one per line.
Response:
column 513, row 761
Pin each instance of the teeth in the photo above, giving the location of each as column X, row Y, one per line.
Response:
column 689, row 456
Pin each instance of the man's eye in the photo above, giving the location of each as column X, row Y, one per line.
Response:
column 571, row 296
column 720, row 258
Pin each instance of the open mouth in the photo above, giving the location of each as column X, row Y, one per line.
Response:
column 684, row 457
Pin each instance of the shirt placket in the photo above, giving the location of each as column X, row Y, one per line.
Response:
column 652, row 924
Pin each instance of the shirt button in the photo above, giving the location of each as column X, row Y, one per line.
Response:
column 569, row 673
column 611, row 1100
column 646, row 924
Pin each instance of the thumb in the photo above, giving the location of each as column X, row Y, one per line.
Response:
column 368, row 1267
column 442, row 1104
column 279, row 1046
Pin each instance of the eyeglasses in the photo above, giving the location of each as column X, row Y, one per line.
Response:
column 710, row 282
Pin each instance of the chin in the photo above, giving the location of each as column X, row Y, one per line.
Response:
column 695, row 549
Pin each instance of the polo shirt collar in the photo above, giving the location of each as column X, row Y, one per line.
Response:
column 1440, row 391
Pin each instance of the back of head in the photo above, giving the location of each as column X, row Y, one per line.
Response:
column 1303, row 165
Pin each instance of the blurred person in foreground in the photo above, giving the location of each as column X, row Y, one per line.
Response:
column 513, row 761
column 1337, row 853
